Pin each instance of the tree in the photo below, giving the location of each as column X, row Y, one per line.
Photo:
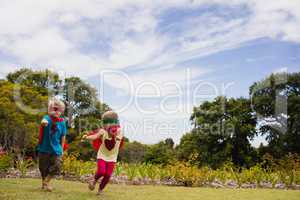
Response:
column 80, row 97
column 19, row 124
column 169, row 142
column 276, row 101
column 161, row 153
column 244, row 124
column 222, row 130
column 18, row 128
column 133, row 152
column 45, row 82
column 81, row 101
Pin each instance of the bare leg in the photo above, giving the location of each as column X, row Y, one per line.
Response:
column 43, row 183
column 47, row 183
column 43, row 167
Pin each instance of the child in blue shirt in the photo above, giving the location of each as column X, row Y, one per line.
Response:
column 51, row 142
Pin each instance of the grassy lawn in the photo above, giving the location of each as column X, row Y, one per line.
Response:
column 28, row 189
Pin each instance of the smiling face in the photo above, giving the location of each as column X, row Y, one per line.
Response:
column 54, row 111
column 110, row 119
column 56, row 108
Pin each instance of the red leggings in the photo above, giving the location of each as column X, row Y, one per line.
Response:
column 105, row 170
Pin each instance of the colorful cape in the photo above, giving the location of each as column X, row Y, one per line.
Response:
column 53, row 129
column 95, row 143
column 109, row 144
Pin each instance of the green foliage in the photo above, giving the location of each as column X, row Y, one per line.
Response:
column 118, row 169
column 142, row 170
column 133, row 152
column 6, row 161
column 217, row 148
column 83, row 108
column 277, row 98
column 184, row 173
column 161, row 153
column 82, row 150
column 163, row 173
column 131, row 171
column 272, row 177
column 222, row 175
column 288, row 168
column 45, row 82
column 297, row 177
column 259, row 173
column 23, row 165
column 190, row 175
column 23, row 102
column 73, row 166
column 19, row 128
column 222, row 130
column 151, row 171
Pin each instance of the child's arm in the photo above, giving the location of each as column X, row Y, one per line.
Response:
column 120, row 136
column 63, row 140
column 94, row 136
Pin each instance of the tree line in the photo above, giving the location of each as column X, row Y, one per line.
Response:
column 222, row 128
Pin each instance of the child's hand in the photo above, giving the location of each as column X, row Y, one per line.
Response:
column 83, row 138
column 44, row 122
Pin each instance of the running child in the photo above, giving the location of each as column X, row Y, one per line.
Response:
column 111, row 140
column 51, row 142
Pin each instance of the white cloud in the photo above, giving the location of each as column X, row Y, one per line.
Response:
column 164, row 80
column 128, row 30
column 275, row 16
column 6, row 67
column 40, row 47
column 83, row 38
column 208, row 33
column 54, row 32
column 151, row 128
column 131, row 52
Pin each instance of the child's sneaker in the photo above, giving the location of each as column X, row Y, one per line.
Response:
column 99, row 193
column 48, row 188
column 92, row 185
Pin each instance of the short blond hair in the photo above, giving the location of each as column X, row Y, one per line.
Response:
column 110, row 115
column 56, row 102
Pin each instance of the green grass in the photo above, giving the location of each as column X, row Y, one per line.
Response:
column 28, row 189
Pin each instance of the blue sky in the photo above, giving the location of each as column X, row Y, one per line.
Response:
column 177, row 53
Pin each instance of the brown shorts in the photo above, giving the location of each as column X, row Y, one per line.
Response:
column 49, row 164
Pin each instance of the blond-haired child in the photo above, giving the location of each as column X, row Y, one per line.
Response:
column 53, row 132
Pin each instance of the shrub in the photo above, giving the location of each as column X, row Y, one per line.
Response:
column 281, row 171
column 152, row 171
column 131, row 171
column 257, row 173
column 73, row 166
column 118, row 169
column 23, row 164
column 273, row 178
column 142, row 170
column 6, row 161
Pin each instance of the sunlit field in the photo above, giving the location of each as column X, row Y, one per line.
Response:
column 21, row 189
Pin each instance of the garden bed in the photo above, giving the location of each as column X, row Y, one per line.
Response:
column 124, row 180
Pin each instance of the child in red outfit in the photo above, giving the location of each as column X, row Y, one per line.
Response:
column 111, row 140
